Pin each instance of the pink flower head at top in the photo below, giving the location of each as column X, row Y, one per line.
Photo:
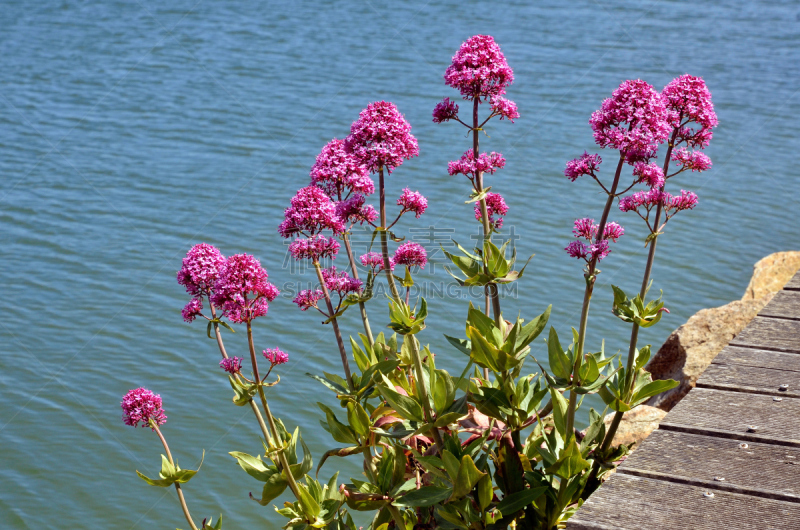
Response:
column 381, row 137
column 200, row 269
column 445, row 110
column 495, row 205
column 314, row 248
column 411, row 254
column 688, row 100
column 694, row 160
column 192, row 310
column 231, row 365
column 340, row 173
column 633, row 120
column 469, row 167
column 353, row 210
column 374, row 260
column 142, row 405
column 242, row 289
column 306, row 299
column 505, row 108
column 479, row 69
column 650, row 174
column 340, row 282
column 311, row 211
column 586, row 164
column 412, row 201
column 593, row 249
column 276, row 356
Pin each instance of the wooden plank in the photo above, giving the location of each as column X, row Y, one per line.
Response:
column 763, row 470
column 785, row 304
column 729, row 414
column 794, row 283
column 751, row 379
column 788, row 362
column 771, row 334
column 627, row 502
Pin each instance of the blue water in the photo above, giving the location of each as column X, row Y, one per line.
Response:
column 130, row 131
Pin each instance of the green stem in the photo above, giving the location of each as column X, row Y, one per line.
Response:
column 287, row 470
column 335, row 324
column 182, row 500
column 361, row 305
column 384, row 238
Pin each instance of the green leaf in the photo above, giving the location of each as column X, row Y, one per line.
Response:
column 161, row 483
column 406, row 406
column 424, row 497
column 476, row 196
column 485, row 492
column 653, row 389
column 451, row 464
column 559, row 362
column 339, row 431
column 532, row 329
column 642, row 356
column 358, row 418
column 468, row 476
column 308, row 503
column 254, row 466
column 517, row 501
column 344, row 451
column 273, row 488
column 339, row 389
column 570, row 463
column 560, row 407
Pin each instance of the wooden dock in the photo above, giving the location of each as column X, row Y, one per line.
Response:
column 728, row 455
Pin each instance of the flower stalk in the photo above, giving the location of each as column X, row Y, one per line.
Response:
column 335, row 324
column 361, row 305
column 178, row 489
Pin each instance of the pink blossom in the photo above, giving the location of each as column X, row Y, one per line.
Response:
column 689, row 100
column 495, row 204
column 595, row 250
column 242, row 289
column 307, row 298
column 314, row 248
column 632, row 120
column 200, row 269
column 374, row 260
column 340, row 281
column 505, row 108
column 468, row 166
column 381, row 137
column 599, row 250
column 192, row 310
column 445, row 110
column 275, row 356
column 411, row 254
column 649, row 199
column 651, row 174
column 231, row 365
column 694, row 160
column 142, row 405
column 686, row 201
column 412, row 201
column 577, row 249
column 585, row 228
column 479, row 69
column 613, row 231
column 340, row 173
column 586, row 164
column 311, row 211
column 353, row 210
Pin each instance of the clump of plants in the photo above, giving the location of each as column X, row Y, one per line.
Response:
column 494, row 445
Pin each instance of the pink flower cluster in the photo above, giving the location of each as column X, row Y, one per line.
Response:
column 242, row 289
column 411, row 254
column 306, row 299
column 652, row 198
column 593, row 249
column 586, row 164
column 479, row 69
column 633, row 120
column 231, row 365
column 650, row 174
column 311, row 212
column 469, row 167
column 200, row 269
column 694, row 160
column 340, row 282
column 374, row 260
column 142, row 405
column 495, row 205
column 353, row 210
column 505, row 108
column 192, row 310
column 413, row 201
column 445, row 110
column 275, row 356
column 339, row 172
column 314, row 248
column 689, row 100
column 381, row 137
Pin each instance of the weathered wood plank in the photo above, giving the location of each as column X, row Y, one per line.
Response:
column 751, row 379
column 628, row 502
column 788, row 362
column 785, row 304
column 770, row 333
column 794, row 283
column 729, row 414
column 762, row 470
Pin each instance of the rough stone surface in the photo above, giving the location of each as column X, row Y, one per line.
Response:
column 771, row 273
column 636, row 425
column 689, row 350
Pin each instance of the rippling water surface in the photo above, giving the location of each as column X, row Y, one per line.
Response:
column 130, row 131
